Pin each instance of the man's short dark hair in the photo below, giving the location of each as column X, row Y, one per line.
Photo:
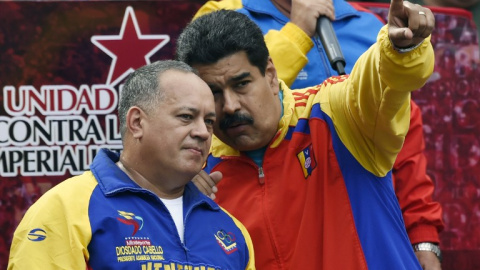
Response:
column 222, row 33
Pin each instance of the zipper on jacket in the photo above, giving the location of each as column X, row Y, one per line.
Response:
column 261, row 176
column 184, row 244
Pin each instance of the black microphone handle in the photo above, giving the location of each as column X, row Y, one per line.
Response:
column 330, row 44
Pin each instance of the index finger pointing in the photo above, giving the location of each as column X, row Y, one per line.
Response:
column 396, row 5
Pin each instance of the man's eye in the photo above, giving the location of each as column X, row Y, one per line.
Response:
column 186, row 116
column 209, row 122
column 242, row 83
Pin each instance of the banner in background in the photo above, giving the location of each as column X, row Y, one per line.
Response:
column 61, row 72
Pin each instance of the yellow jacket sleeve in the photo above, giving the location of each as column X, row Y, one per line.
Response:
column 55, row 231
column 372, row 112
column 289, row 46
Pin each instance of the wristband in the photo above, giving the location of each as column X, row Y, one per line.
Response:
column 404, row 50
column 427, row 246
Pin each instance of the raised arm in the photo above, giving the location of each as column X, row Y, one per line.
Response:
column 372, row 113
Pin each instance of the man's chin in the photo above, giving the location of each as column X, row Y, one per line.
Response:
column 236, row 131
column 244, row 143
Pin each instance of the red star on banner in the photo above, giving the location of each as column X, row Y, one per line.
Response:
column 130, row 49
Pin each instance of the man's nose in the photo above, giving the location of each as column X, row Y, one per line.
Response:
column 200, row 130
column 231, row 102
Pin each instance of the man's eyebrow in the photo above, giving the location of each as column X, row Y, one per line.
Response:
column 212, row 114
column 230, row 80
column 239, row 77
column 190, row 109
column 196, row 111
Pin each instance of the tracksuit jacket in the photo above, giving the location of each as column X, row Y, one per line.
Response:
column 323, row 197
column 103, row 220
column 301, row 61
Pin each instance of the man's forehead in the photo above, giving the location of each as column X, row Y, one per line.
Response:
column 230, row 68
column 181, row 84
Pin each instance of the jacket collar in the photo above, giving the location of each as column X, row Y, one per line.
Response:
column 113, row 181
column 342, row 9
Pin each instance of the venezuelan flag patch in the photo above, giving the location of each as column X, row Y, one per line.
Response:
column 307, row 160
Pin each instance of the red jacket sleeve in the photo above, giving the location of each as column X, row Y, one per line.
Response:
column 414, row 188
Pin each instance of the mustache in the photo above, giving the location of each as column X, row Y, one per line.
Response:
column 232, row 119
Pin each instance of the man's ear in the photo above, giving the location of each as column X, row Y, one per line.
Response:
column 271, row 75
column 134, row 122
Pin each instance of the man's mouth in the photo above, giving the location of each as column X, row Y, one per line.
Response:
column 237, row 124
column 196, row 150
column 236, row 129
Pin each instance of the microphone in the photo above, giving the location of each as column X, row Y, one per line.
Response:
column 330, row 43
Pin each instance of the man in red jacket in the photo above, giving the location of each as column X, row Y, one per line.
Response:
column 356, row 30
column 318, row 203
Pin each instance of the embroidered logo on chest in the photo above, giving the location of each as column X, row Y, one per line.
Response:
column 132, row 220
column 307, row 160
column 226, row 241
